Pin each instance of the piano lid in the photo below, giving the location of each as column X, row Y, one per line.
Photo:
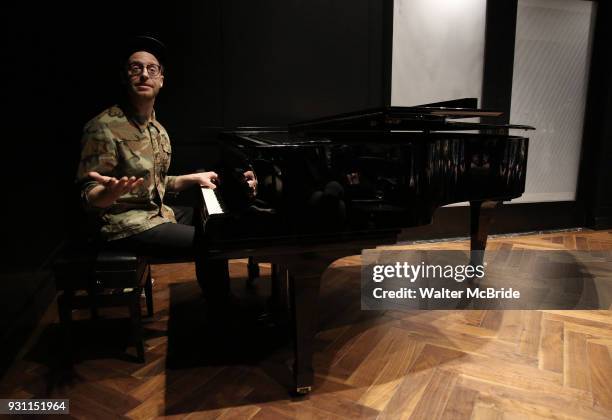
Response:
column 429, row 117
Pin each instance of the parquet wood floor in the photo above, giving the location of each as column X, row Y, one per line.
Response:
column 369, row 364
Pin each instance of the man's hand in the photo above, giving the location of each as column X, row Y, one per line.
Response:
column 201, row 179
column 110, row 188
column 205, row 179
column 251, row 180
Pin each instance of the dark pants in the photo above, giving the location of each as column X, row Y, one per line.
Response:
column 168, row 240
column 181, row 240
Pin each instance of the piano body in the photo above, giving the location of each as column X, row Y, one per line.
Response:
column 331, row 187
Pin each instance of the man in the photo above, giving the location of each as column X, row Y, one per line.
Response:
column 124, row 162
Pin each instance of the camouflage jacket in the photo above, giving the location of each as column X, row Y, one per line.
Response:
column 114, row 144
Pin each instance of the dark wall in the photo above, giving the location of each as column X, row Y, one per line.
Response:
column 499, row 58
column 595, row 181
column 286, row 61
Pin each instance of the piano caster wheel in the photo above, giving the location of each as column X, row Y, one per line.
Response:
column 303, row 390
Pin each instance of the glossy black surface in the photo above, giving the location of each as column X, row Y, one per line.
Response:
column 326, row 177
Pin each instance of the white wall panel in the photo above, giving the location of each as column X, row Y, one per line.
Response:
column 551, row 63
column 438, row 49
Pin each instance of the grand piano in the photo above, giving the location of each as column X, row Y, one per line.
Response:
column 330, row 187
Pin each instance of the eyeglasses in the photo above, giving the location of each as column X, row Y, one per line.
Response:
column 136, row 69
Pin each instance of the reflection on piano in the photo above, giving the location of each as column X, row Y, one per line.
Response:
column 331, row 187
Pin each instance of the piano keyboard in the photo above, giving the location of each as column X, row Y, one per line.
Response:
column 212, row 202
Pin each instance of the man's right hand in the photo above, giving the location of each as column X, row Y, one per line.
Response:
column 110, row 189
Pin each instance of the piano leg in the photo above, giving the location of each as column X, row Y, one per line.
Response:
column 304, row 275
column 213, row 278
column 301, row 274
column 253, row 271
column 279, row 294
column 481, row 217
column 304, row 292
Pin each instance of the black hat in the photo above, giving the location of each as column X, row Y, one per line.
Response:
column 144, row 43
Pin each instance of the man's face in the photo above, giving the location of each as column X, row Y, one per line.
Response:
column 144, row 75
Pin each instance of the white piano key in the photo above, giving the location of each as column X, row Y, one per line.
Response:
column 212, row 203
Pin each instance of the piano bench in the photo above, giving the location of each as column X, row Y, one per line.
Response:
column 86, row 277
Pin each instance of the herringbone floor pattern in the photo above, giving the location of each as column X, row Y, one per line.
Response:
column 420, row 364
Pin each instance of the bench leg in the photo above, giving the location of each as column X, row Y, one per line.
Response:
column 149, row 293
